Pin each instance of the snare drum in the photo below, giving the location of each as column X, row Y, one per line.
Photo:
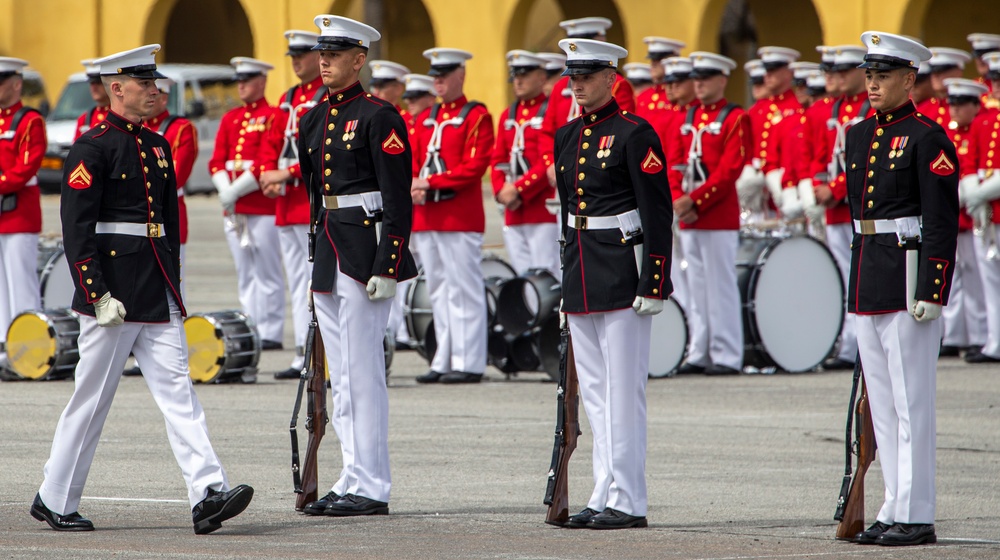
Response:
column 668, row 340
column 793, row 301
column 222, row 346
column 54, row 278
column 418, row 315
column 43, row 344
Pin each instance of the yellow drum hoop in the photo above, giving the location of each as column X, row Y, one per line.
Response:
column 206, row 350
column 31, row 347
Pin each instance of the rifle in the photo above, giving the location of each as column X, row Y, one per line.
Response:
column 567, row 431
column 860, row 441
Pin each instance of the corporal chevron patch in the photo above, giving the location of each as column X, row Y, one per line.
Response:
column 80, row 178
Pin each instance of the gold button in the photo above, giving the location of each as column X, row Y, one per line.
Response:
column 870, row 204
column 583, row 205
column 348, row 146
column 581, row 176
column 892, row 166
column 655, row 291
column 368, row 222
column 656, row 277
column 93, row 295
column 579, row 192
column 940, row 267
column 583, row 160
column 143, row 154
column 585, row 145
column 84, row 268
column 326, row 157
column 393, row 256
column 937, row 281
column 587, row 132
column 935, row 296
column 658, row 262
column 875, row 145
column 327, row 172
column 854, row 166
column 151, row 213
column 871, row 188
column 562, row 168
column 146, row 169
column 879, row 132
column 89, row 281
column 623, row 240
column 113, row 253
column 395, row 243
column 871, row 159
column 871, row 173
column 329, row 126
column 391, row 270
column 328, row 140
column 333, row 112
column 148, row 184
column 149, row 198
column 123, row 175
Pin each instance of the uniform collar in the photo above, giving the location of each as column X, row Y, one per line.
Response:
column 781, row 97
column 533, row 101
column 312, row 86
column 346, row 94
column 601, row 113
column 895, row 115
column 12, row 109
column 153, row 122
column 858, row 98
column 718, row 105
column 959, row 129
column 456, row 104
column 262, row 102
column 124, row 124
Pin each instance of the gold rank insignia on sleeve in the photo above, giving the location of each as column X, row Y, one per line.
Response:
column 942, row 165
column 652, row 163
column 392, row 145
column 80, row 178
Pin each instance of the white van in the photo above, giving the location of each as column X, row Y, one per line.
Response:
column 209, row 90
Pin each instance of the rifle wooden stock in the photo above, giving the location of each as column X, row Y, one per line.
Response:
column 851, row 511
column 567, row 431
column 316, row 419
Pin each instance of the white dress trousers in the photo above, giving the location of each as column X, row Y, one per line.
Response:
column 452, row 264
column 161, row 352
column 838, row 239
column 258, row 273
column 965, row 322
column 714, row 315
column 531, row 246
column 899, row 357
column 19, row 289
column 611, row 353
column 989, row 271
column 294, row 240
column 357, row 378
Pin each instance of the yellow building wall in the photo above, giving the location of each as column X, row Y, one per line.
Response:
column 211, row 32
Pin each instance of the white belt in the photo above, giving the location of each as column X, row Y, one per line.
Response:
column 604, row 222
column 180, row 192
column 239, row 164
column 370, row 201
column 130, row 228
column 32, row 182
column 907, row 226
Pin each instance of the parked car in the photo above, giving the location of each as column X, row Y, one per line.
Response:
column 204, row 92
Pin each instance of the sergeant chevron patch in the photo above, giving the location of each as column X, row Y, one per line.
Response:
column 392, row 145
column 652, row 163
column 942, row 165
column 80, row 178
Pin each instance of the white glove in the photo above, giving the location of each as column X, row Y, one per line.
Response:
column 381, row 288
column 791, row 207
column 965, row 185
column 988, row 190
column 750, row 187
column 245, row 184
column 563, row 318
column 221, row 180
column 647, row 306
column 773, row 180
column 806, row 193
column 925, row 311
column 110, row 312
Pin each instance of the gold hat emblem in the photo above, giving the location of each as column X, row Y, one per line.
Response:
column 876, row 39
column 572, row 47
column 326, row 22
column 156, row 50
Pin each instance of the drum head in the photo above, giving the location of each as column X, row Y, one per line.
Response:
column 417, row 311
column 798, row 303
column 206, row 350
column 56, row 282
column 495, row 267
column 668, row 340
column 31, row 346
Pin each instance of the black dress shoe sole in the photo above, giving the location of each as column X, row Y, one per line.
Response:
column 42, row 517
column 639, row 523
column 927, row 539
column 336, row 512
column 452, row 379
column 233, row 507
column 318, row 511
column 289, row 373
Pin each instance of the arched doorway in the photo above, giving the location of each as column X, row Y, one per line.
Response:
column 221, row 28
column 405, row 26
column 534, row 25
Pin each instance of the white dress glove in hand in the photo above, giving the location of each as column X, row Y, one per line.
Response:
column 925, row 311
column 381, row 288
column 647, row 306
column 791, row 206
column 110, row 312
column 750, row 187
column 773, row 179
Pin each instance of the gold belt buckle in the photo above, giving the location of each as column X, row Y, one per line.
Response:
column 867, row 227
column 579, row 222
column 331, row 202
column 153, row 230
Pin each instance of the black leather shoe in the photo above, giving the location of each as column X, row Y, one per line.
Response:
column 132, row 371
column 580, row 520
column 907, row 534
column 430, row 377
column 209, row 513
column 461, row 377
column 352, row 504
column 271, row 345
column 836, row 364
column 319, row 506
column 869, row 535
column 614, row 519
column 290, row 373
column 948, row 351
column 980, row 358
column 690, row 368
column 69, row 522
column 973, row 350
column 721, row 370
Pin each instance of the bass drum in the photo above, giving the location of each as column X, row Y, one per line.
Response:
column 54, row 278
column 222, row 346
column 668, row 340
column 793, row 302
column 43, row 344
